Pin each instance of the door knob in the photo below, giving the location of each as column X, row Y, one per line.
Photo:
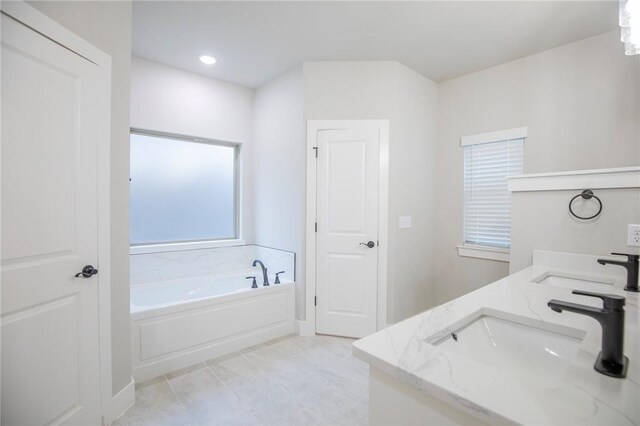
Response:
column 370, row 244
column 88, row 271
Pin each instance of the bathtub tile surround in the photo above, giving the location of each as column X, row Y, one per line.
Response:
column 273, row 383
column 191, row 306
column 277, row 260
column 532, row 383
column 149, row 268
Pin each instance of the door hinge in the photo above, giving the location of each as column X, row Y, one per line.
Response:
column 316, row 148
column 315, row 300
column 316, row 228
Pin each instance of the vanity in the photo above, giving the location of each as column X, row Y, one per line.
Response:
column 500, row 355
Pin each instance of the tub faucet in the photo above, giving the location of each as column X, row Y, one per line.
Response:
column 631, row 265
column 253, row 284
column 265, row 277
column 611, row 360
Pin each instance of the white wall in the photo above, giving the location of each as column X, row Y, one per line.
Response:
column 279, row 170
column 389, row 90
column 95, row 22
column 412, row 193
column 553, row 228
column 166, row 99
column 580, row 103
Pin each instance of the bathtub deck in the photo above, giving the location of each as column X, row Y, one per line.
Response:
column 293, row 380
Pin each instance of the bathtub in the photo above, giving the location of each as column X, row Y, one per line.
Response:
column 180, row 322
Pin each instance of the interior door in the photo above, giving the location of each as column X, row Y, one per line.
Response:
column 49, row 318
column 347, row 231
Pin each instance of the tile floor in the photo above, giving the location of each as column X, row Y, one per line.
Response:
column 290, row 381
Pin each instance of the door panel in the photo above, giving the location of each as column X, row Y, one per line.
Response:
column 49, row 318
column 51, row 330
column 347, row 215
column 346, row 189
column 346, row 299
column 31, row 234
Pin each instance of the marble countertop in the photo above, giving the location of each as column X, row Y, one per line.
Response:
column 495, row 395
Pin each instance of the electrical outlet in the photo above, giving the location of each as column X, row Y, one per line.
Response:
column 633, row 236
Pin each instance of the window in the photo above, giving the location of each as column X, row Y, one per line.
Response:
column 182, row 190
column 488, row 160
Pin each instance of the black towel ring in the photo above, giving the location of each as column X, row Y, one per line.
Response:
column 587, row 194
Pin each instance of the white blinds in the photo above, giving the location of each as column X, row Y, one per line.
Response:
column 487, row 201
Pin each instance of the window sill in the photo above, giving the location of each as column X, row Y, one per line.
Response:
column 482, row 252
column 159, row 248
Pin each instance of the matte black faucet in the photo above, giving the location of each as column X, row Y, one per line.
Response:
column 253, row 284
column 631, row 265
column 611, row 360
column 265, row 277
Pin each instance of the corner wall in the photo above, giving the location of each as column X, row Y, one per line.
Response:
column 412, row 182
column 279, row 170
column 581, row 105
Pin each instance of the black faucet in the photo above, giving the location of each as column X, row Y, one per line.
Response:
column 631, row 265
column 253, row 284
column 611, row 360
column 265, row 277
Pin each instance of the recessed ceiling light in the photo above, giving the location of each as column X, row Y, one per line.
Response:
column 209, row 60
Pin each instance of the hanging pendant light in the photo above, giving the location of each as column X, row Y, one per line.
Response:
column 630, row 26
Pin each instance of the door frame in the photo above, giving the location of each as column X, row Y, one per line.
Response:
column 313, row 127
column 41, row 23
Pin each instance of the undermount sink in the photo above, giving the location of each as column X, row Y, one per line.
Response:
column 509, row 344
column 576, row 282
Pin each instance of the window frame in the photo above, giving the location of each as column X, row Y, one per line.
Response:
column 484, row 251
column 237, row 239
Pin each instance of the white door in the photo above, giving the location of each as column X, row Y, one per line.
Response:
column 347, row 231
column 52, row 120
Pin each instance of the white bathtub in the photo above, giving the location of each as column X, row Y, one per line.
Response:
column 178, row 323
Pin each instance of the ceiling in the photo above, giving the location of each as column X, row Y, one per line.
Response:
column 256, row 41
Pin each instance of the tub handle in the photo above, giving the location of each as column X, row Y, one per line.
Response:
column 277, row 281
column 254, row 284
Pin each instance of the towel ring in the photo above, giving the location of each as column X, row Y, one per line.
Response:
column 587, row 194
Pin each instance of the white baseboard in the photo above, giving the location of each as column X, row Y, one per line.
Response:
column 121, row 402
column 305, row 328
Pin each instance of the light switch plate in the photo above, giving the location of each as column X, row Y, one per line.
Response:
column 633, row 235
column 404, row 222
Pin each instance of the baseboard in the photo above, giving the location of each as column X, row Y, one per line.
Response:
column 305, row 328
column 121, row 402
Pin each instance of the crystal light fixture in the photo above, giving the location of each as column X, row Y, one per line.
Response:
column 630, row 26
